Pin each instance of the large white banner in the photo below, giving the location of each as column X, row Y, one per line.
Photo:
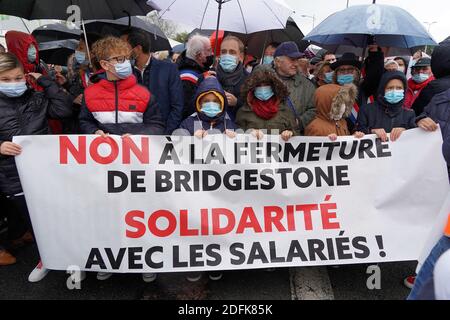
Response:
column 157, row 204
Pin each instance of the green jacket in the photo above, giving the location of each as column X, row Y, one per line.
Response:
column 302, row 96
column 284, row 120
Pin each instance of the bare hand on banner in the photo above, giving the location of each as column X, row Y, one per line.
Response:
column 8, row 148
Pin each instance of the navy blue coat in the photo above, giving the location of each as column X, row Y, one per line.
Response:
column 439, row 111
column 198, row 120
column 163, row 80
column 381, row 114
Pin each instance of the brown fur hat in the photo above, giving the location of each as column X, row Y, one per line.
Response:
column 264, row 74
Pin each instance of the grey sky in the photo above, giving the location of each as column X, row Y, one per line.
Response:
column 423, row 11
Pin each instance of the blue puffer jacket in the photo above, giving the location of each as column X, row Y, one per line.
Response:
column 439, row 110
column 198, row 120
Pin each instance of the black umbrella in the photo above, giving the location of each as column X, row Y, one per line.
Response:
column 90, row 9
column 55, row 32
column 258, row 41
column 159, row 41
column 57, row 52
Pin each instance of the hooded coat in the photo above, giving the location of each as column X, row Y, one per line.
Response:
column 383, row 115
column 440, row 65
column 284, row 119
column 198, row 120
column 329, row 99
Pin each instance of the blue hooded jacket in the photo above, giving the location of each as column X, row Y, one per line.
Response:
column 199, row 120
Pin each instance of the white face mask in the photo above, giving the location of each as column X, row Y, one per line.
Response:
column 401, row 69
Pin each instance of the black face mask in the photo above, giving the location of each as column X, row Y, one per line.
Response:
column 209, row 61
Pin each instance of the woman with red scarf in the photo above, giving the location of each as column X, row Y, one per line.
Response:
column 266, row 109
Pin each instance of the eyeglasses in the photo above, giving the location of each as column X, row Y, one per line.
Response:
column 345, row 70
column 119, row 59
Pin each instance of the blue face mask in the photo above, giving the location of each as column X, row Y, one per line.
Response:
column 80, row 56
column 394, row 96
column 264, row 93
column 123, row 70
column 32, row 54
column 211, row 109
column 228, row 62
column 329, row 77
column 420, row 77
column 345, row 79
column 13, row 89
column 267, row 59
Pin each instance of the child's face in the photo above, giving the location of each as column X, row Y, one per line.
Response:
column 14, row 75
column 210, row 97
column 394, row 84
column 115, row 57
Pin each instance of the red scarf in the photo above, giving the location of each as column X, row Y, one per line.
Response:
column 419, row 86
column 264, row 109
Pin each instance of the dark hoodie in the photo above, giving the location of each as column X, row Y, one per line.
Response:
column 199, row 120
column 440, row 65
column 383, row 115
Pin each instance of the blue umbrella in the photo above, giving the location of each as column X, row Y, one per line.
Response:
column 355, row 27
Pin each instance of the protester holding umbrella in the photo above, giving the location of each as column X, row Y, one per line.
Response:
column 193, row 65
column 421, row 77
column 265, row 107
column 23, row 111
column 301, row 98
column 387, row 114
column 161, row 78
column 231, row 72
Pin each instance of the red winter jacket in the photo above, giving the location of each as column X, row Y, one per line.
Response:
column 414, row 90
column 119, row 107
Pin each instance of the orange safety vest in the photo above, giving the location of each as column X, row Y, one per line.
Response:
column 447, row 228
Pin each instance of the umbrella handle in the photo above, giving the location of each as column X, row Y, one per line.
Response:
column 87, row 45
column 129, row 18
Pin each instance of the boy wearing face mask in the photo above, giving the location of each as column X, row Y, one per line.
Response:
column 231, row 72
column 211, row 116
column 387, row 114
column 421, row 77
column 265, row 109
column 115, row 103
column 23, row 111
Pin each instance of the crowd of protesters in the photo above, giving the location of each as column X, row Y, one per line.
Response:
column 117, row 86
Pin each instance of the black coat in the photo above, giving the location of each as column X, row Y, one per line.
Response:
column 28, row 115
column 381, row 114
column 233, row 83
column 440, row 64
column 190, row 86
